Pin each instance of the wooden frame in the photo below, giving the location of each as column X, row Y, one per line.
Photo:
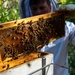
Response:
column 8, row 62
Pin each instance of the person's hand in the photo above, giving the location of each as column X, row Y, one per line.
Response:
column 68, row 9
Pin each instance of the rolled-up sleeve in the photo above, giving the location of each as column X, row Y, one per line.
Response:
column 70, row 31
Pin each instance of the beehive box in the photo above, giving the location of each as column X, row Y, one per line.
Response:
column 35, row 66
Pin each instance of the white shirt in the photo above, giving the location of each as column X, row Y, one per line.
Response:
column 59, row 49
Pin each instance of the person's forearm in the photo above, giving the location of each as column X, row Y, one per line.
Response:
column 68, row 10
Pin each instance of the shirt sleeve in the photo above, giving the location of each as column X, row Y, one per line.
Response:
column 70, row 31
column 54, row 5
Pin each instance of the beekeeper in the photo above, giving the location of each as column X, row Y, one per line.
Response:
column 28, row 8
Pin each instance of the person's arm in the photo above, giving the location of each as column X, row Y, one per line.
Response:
column 70, row 32
column 68, row 9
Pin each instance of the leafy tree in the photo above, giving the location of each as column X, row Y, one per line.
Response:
column 67, row 1
column 8, row 11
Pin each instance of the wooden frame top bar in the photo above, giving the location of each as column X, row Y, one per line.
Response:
column 25, row 20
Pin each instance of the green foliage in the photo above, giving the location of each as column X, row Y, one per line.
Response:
column 67, row 1
column 71, row 19
column 71, row 57
column 8, row 13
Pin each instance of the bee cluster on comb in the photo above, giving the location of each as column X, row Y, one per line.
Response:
column 29, row 37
